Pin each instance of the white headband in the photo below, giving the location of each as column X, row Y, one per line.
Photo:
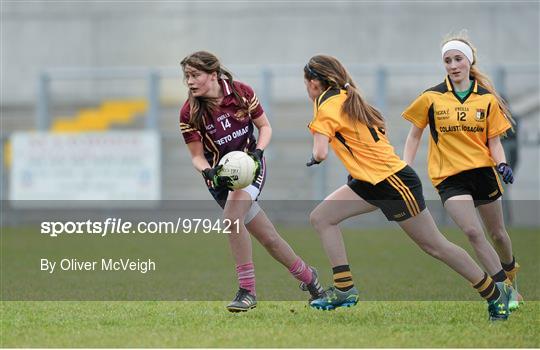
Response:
column 460, row 46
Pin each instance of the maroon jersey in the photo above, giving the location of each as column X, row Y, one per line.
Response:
column 223, row 132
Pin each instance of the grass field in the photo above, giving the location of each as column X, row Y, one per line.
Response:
column 408, row 299
column 272, row 324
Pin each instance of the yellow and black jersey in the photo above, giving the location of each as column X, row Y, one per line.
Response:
column 460, row 128
column 363, row 150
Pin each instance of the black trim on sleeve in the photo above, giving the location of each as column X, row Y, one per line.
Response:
column 342, row 140
column 432, row 129
column 373, row 133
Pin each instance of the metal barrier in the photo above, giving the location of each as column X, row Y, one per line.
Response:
column 266, row 74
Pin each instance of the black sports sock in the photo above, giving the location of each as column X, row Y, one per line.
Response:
column 487, row 288
column 509, row 267
column 342, row 277
column 499, row 276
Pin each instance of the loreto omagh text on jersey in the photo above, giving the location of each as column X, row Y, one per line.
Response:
column 225, row 130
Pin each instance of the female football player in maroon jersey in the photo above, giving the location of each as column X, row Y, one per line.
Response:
column 219, row 117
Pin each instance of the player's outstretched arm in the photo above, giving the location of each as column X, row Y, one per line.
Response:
column 412, row 143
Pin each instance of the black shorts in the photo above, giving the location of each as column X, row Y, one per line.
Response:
column 482, row 184
column 399, row 196
column 220, row 195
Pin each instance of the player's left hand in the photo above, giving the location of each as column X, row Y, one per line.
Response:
column 506, row 173
column 257, row 155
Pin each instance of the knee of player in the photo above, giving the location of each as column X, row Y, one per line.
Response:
column 316, row 220
column 498, row 233
column 474, row 234
column 233, row 215
column 270, row 241
column 435, row 250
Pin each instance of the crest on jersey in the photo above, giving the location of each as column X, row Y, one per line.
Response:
column 480, row 114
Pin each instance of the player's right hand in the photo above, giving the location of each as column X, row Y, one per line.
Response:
column 213, row 180
column 312, row 161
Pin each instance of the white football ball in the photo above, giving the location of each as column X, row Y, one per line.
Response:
column 239, row 167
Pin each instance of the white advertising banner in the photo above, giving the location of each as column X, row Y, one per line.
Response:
column 123, row 165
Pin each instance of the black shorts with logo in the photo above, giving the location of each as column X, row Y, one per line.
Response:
column 482, row 184
column 399, row 196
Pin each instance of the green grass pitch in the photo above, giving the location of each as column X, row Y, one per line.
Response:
column 272, row 324
column 391, row 273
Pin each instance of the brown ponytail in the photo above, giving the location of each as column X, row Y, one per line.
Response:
column 332, row 74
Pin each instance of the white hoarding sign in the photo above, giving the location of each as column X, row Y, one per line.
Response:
column 121, row 165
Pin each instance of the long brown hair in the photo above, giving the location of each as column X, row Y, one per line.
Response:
column 203, row 106
column 482, row 78
column 332, row 74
